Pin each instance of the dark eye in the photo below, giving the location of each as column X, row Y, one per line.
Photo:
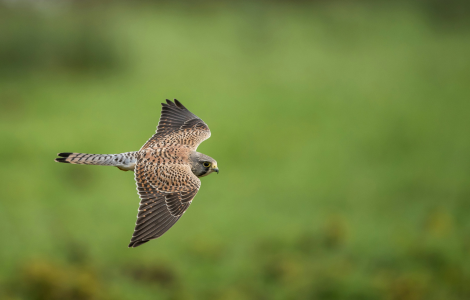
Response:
column 206, row 164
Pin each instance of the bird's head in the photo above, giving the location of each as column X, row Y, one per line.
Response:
column 202, row 165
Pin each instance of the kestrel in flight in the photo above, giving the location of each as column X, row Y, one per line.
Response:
column 167, row 170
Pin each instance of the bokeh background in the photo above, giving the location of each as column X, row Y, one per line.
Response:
column 341, row 129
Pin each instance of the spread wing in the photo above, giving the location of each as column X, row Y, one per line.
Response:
column 166, row 191
column 178, row 126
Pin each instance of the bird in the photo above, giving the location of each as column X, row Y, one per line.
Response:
column 167, row 170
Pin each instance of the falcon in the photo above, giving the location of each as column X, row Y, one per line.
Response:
column 166, row 170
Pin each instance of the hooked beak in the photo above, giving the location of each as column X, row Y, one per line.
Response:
column 215, row 169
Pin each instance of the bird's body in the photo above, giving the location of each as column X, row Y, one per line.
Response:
column 167, row 170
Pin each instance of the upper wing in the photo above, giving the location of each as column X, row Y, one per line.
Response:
column 178, row 126
column 166, row 191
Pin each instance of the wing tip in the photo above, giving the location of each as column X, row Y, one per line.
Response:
column 179, row 104
column 176, row 103
column 137, row 243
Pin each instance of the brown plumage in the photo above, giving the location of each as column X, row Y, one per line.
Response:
column 167, row 170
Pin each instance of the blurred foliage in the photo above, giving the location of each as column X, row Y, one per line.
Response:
column 71, row 42
column 341, row 132
column 46, row 280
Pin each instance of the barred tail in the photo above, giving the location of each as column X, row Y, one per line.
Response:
column 124, row 161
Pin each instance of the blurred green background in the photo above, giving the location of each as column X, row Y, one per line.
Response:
column 341, row 130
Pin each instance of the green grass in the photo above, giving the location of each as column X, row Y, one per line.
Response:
column 341, row 133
